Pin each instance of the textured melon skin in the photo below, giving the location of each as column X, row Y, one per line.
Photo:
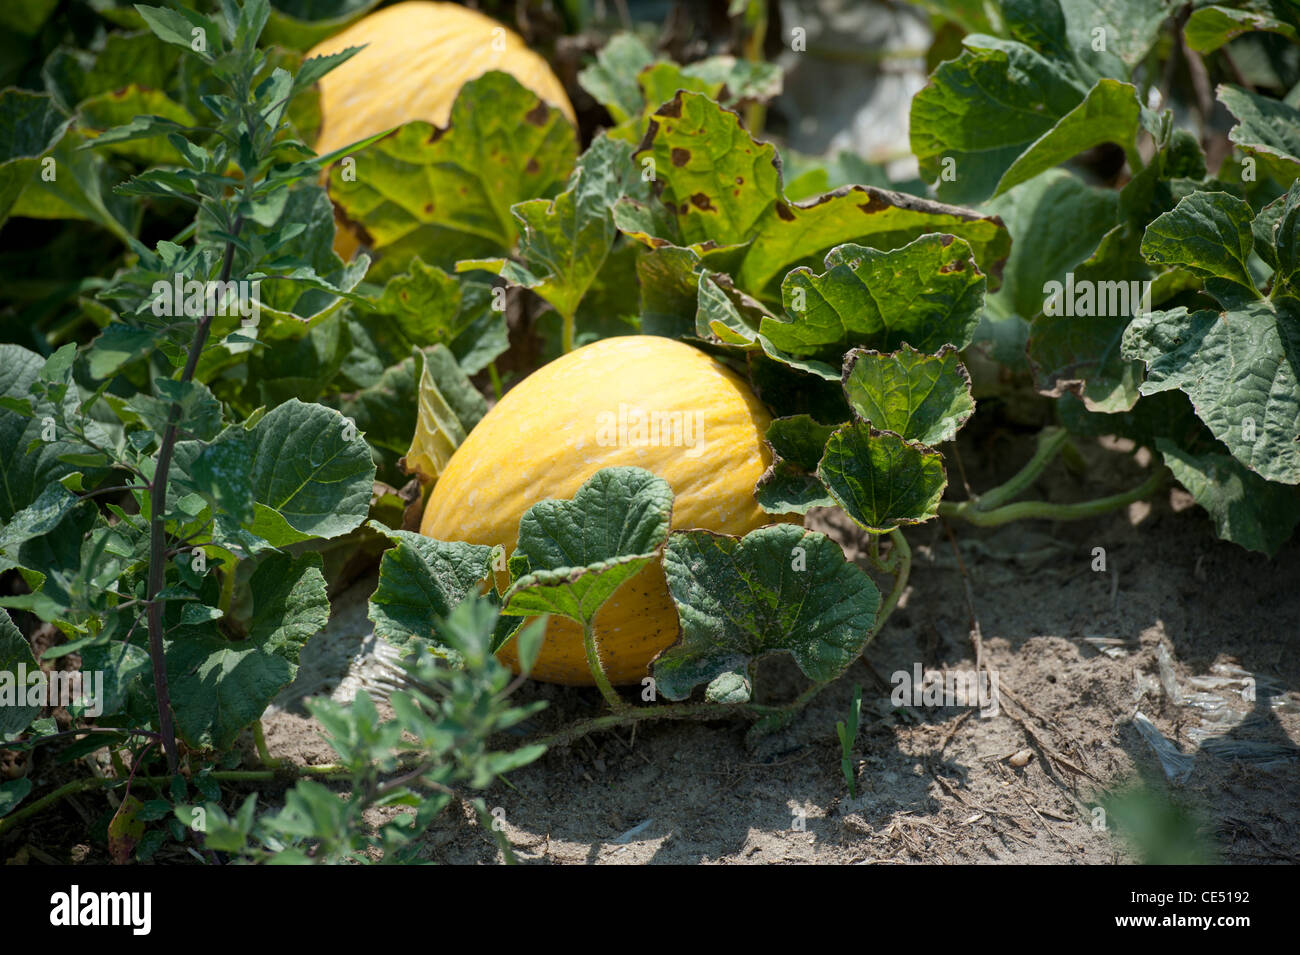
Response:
column 417, row 56
column 540, row 441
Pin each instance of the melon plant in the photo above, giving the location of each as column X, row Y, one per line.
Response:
column 592, row 375
column 631, row 401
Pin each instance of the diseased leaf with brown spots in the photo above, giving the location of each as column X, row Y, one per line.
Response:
column 716, row 188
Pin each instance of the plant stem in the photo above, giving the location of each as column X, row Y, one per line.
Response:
column 566, row 332
column 158, row 530
column 1046, row 510
column 639, row 714
column 598, row 669
column 259, row 741
column 161, row 782
column 1050, row 442
column 873, row 554
column 227, row 596
column 902, row 562
column 756, row 14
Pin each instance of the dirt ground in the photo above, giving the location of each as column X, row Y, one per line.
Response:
column 1178, row 628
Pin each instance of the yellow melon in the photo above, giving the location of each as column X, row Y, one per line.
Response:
column 617, row 402
column 417, row 56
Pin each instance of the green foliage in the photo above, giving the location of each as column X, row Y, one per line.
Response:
column 192, row 423
column 1208, row 291
column 145, row 412
column 579, row 552
column 779, row 588
column 436, row 747
column 630, row 82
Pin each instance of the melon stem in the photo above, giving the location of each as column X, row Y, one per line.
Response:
column 566, row 332
column 1047, row 511
column 598, row 669
column 900, row 561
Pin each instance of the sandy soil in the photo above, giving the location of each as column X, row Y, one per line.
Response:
column 1174, row 629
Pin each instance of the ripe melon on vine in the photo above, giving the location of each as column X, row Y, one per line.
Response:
column 592, row 409
column 417, row 56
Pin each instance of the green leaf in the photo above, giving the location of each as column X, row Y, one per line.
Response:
column 306, row 281
column 1239, row 368
column 421, row 580
column 713, row 178
column 980, row 112
column 1041, row 250
column 220, row 473
column 15, row 652
column 126, row 668
column 1132, row 29
column 1246, row 509
column 76, row 191
column 200, row 411
column 790, row 484
column 1108, row 114
column 779, row 588
column 799, row 439
column 32, row 463
column 387, row 412
column 125, row 108
column 724, row 79
column 924, row 398
column 307, row 469
column 1266, row 128
column 611, row 80
column 118, row 345
column 1080, row 352
column 30, row 126
column 174, row 27
column 313, row 68
column 630, row 82
column 25, row 17
column 973, row 16
column 1209, row 28
column 927, row 294
column 564, row 241
column 445, row 194
column 74, row 76
column 669, row 284
column 1209, row 234
column 40, row 517
column 724, row 313
column 425, row 303
column 880, row 480
column 483, row 335
column 449, row 407
column 582, row 550
column 1283, row 240
column 219, row 686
